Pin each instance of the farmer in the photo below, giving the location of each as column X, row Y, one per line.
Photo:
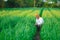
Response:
column 38, row 24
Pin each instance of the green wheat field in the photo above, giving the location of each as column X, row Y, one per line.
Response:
column 19, row 23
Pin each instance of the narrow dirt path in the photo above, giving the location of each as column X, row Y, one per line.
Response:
column 37, row 36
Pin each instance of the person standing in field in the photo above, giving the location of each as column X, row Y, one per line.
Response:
column 39, row 22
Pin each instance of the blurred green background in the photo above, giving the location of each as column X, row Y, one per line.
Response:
column 29, row 3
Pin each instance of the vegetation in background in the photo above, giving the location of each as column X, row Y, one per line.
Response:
column 29, row 3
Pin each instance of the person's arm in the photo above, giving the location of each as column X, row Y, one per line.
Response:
column 42, row 21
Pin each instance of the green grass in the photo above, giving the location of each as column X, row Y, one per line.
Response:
column 18, row 24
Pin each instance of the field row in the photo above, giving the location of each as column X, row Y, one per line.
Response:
column 19, row 24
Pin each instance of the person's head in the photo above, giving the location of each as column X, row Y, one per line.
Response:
column 37, row 16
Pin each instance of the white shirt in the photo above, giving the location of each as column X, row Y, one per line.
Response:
column 39, row 21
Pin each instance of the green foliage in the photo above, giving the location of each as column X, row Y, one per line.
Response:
column 17, row 28
column 50, row 29
column 18, row 24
